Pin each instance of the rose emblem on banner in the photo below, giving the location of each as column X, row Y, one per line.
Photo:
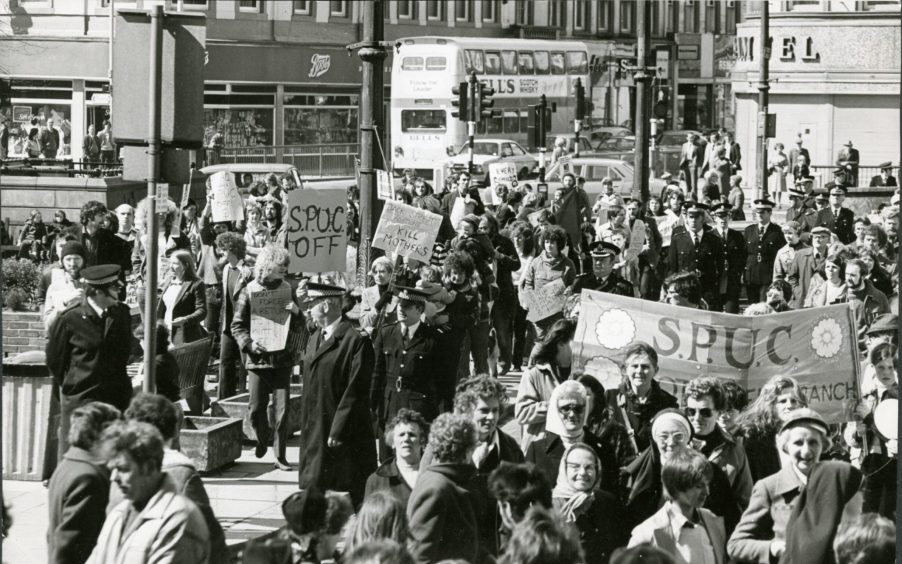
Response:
column 826, row 338
column 604, row 370
column 615, row 329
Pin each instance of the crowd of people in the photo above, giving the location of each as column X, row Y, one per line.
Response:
column 402, row 405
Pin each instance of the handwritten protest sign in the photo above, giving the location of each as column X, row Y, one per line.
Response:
column 317, row 230
column 225, row 201
column 407, row 230
column 269, row 318
column 666, row 224
column 384, row 185
column 534, row 217
column 815, row 346
column 544, row 302
column 502, row 173
column 636, row 242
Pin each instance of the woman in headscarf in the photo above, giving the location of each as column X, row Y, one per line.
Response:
column 565, row 426
column 793, row 514
column 595, row 514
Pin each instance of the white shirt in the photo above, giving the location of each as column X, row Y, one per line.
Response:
column 482, row 450
column 96, row 307
column 410, row 331
column 329, row 329
column 691, row 539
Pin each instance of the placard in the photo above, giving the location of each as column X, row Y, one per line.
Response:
column 317, row 235
column 502, row 173
column 544, row 302
column 816, row 346
column 385, row 188
column 225, row 201
column 636, row 242
column 269, row 318
column 666, row 223
column 407, row 231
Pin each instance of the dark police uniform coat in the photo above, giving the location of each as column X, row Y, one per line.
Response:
column 762, row 251
column 335, row 403
column 405, row 376
column 733, row 251
column 843, row 225
column 877, row 181
column 706, row 260
column 613, row 284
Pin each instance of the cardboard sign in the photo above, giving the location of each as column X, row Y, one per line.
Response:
column 544, row 302
column 385, row 188
column 317, row 230
column 636, row 242
column 502, row 173
column 534, row 218
column 269, row 318
column 407, row 231
column 225, row 201
column 817, row 347
column 666, row 223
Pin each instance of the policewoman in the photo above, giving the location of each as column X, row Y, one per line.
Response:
column 88, row 348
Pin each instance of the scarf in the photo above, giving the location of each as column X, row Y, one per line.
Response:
column 554, row 423
column 576, row 501
column 818, row 511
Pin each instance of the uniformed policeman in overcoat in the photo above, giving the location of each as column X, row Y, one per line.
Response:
column 698, row 250
column 406, row 360
column 763, row 239
column 836, row 218
column 734, row 252
column 603, row 278
column 88, row 348
column 338, row 449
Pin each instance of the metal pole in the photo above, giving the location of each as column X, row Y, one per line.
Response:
column 576, row 121
column 110, row 70
column 471, row 139
column 472, row 117
column 543, row 105
column 371, row 119
column 153, row 175
column 643, row 86
column 763, row 87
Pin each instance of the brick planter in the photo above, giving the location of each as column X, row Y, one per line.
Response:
column 22, row 331
column 236, row 406
column 210, row 442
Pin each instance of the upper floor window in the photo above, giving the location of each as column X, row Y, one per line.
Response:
column 653, row 18
column 672, row 17
column 712, row 16
column 251, row 6
column 804, row 5
column 435, row 10
column 605, row 15
column 690, row 16
column 557, row 15
column 489, row 11
column 627, row 16
column 303, row 7
column 338, row 8
column 407, row 9
column 524, row 12
column 581, row 15
column 463, row 10
column 731, row 10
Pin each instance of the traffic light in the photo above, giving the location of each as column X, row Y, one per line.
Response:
column 460, row 91
column 580, row 100
column 484, row 101
column 532, row 126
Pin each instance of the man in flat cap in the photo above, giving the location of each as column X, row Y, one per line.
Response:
column 338, row 449
column 407, row 356
column 805, row 263
column 836, row 218
column 698, row 250
column 885, row 178
column 763, row 240
column 603, row 278
column 88, row 348
column 733, row 251
column 848, row 159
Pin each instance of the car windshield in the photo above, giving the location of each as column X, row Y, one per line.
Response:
column 480, row 148
column 672, row 139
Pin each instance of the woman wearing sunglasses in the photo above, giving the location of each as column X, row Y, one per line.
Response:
column 705, row 400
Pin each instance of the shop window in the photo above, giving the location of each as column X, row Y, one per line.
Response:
column 605, row 16
column 407, row 9
column 627, row 16
column 463, row 10
column 690, row 16
column 20, row 116
column 557, row 13
column 241, row 127
column 524, row 14
column 581, row 15
column 250, row 6
column 303, row 7
column 338, row 8
column 489, row 11
column 320, row 125
column 435, row 10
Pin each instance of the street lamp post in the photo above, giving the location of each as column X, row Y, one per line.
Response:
column 763, row 88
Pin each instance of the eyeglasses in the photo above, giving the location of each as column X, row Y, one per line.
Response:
column 703, row 412
column 572, row 408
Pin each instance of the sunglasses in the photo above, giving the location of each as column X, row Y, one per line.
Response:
column 703, row 412
column 572, row 408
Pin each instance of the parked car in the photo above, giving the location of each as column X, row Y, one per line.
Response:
column 601, row 133
column 595, row 169
column 616, row 147
column 488, row 151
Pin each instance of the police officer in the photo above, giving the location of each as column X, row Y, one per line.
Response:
column 798, row 208
column 763, row 240
column 734, row 252
column 836, row 218
column 88, row 348
column 885, row 178
column 698, row 250
column 603, row 278
column 406, row 360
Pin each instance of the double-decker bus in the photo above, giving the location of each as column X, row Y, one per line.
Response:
column 425, row 69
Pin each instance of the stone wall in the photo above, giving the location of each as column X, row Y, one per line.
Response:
column 22, row 331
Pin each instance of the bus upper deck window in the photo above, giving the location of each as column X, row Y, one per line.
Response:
column 577, row 62
column 527, row 62
column 557, row 63
column 492, row 62
column 509, row 62
column 436, row 63
column 543, row 64
column 412, row 63
column 473, row 61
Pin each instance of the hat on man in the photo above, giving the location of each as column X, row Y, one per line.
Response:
column 666, row 176
column 839, row 171
column 472, row 219
column 838, row 190
column 821, row 195
column 885, row 166
column 820, row 230
column 805, row 415
column 721, row 208
column 884, row 324
column 316, row 290
column 73, row 248
column 796, row 193
column 407, row 294
column 829, row 185
column 696, row 207
column 763, row 204
column 601, row 249
column 306, row 506
column 847, row 144
column 100, row 275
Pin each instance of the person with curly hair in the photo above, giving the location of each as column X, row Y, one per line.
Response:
column 406, row 435
column 460, row 279
column 269, row 371
column 549, row 267
column 236, row 274
column 542, row 538
column 444, row 508
column 523, row 237
column 516, row 488
column 868, row 539
column 758, row 424
column 182, row 305
column 102, row 246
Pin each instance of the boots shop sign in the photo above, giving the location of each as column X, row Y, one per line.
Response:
column 789, row 49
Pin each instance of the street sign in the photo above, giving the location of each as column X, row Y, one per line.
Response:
column 662, row 64
column 687, row 52
column 626, row 64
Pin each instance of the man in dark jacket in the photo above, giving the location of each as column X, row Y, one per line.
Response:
column 102, row 246
column 603, row 278
column 733, row 251
column 49, row 139
column 698, row 250
column 338, row 450
column 849, row 160
column 836, row 218
column 885, row 178
column 805, row 263
column 868, row 303
column 471, row 201
column 79, row 488
column 763, row 240
column 88, row 348
column 506, row 262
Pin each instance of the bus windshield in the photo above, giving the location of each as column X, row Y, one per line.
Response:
column 416, row 120
column 480, row 148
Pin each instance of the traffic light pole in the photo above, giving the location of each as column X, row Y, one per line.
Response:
column 642, row 78
column 763, row 88
column 580, row 113
column 540, row 124
column 472, row 118
column 471, row 139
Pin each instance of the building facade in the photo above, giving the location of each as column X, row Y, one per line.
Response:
column 278, row 72
column 834, row 77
